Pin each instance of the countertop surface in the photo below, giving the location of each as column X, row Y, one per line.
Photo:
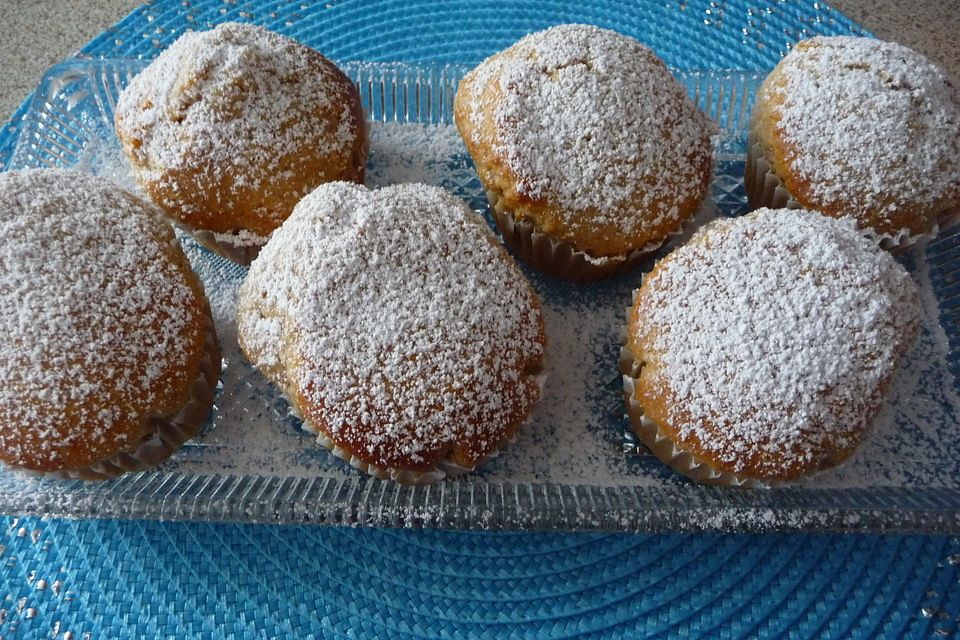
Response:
column 39, row 34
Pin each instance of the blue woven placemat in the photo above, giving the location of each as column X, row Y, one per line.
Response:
column 153, row 580
column 100, row 579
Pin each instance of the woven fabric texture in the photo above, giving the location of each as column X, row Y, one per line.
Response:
column 102, row 579
column 178, row 580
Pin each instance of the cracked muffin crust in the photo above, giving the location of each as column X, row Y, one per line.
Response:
column 227, row 129
column 585, row 134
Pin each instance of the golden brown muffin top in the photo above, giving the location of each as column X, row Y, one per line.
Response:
column 767, row 341
column 861, row 127
column 396, row 323
column 591, row 123
column 228, row 128
column 100, row 319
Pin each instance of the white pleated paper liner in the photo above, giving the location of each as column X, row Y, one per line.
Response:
column 558, row 257
column 166, row 434
column 765, row 189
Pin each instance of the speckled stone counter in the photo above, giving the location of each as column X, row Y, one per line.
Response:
column 39, row 34
column 932, row 27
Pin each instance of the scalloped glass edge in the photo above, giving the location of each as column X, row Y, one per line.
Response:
column 424, row 93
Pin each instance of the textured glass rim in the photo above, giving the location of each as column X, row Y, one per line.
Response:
column 462, row 504
column 424, row 93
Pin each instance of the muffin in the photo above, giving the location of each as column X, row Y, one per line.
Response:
column 589, row 150
column 229, row 128
column 109, row 357
column 857, row 127
column 397, row 326
column 761, row 351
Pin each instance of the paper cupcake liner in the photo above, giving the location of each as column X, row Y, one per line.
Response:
column 558, row 257
column 240, row 247
column 167, row 433
column 360, row 175
column 765, row 189
column 657, row 440
column 444, row 469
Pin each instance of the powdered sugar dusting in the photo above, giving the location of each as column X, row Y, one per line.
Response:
column 591, row 120
column 253, row 433
column 96, row 321
column 410, row 152
column 242, row 238
column 234, row 109
column 578, row 451
column 872, row 120
column 396, row 313
column 781, row 329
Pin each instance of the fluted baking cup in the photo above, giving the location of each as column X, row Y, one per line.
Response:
column 558, row 257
